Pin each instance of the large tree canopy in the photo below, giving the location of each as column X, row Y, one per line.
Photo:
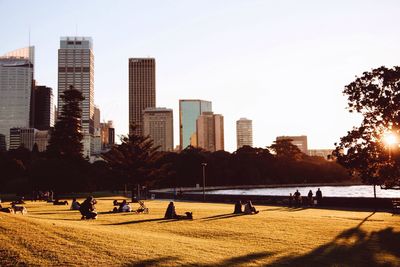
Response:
column 133, row 161
column 376, row 96
column 66, row 139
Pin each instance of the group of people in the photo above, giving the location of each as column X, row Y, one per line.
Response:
column 296, row 199
column 248, row 208
column 43, row 195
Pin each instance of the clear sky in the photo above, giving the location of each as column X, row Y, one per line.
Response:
column 282, row 64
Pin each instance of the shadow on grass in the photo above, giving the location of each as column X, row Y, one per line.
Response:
column 352, row 247
column 222, row 216
column 151, row 262
column 139, row 221
column 241, row 260
column 55, row 219
column 235, row 261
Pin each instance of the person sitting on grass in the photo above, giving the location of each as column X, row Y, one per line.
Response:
column 57, row 202
column 238, row 208
column 249, row 208
column 7, row 210
column 170, row 212
column 124, row 207
column 88, row 209
column 75, row 204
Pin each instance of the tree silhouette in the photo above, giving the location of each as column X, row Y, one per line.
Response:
column 285, row 149
column 133, row 161
column 376, row 96
column 66, row 138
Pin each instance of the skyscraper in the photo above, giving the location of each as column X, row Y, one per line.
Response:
column 210, row 131
column 16, row 94
column 142, row 90
column 44, row 108
column 299, row 141
column 76, row 68
column 158, row 124
column 244, row 132
column 189, row 111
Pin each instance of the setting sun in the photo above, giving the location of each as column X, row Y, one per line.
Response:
column 390, row 139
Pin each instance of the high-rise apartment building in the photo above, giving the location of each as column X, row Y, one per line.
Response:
column 158, row 124
column 76, row 68
column 189, row 111
column 142, row 90
column 44, row 108
column 299, row 141
column 16, row 94
column 244, row 132
column 210, row 131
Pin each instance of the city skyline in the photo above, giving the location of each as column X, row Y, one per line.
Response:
column 282, row 64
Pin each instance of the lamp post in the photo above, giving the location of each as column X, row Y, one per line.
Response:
column 204, row 180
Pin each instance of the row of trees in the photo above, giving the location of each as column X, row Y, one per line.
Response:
column 135, row 161
column 376, row 95
column 62, row 167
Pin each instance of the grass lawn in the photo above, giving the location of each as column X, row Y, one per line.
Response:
column 54, row 235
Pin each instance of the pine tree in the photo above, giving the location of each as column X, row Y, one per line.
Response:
column 66, row 138
column 133, row 161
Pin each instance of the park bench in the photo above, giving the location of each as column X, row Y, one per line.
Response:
column 396, row 206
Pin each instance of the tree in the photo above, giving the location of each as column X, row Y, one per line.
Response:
column 133, row 161
column 285, row 149
column 376, row 96
column 66, row 138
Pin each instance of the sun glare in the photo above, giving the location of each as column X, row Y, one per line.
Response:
column 390, row 139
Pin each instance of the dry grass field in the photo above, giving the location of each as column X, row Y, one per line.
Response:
column 54, row 235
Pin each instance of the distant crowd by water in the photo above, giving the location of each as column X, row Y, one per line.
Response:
column 328, row 191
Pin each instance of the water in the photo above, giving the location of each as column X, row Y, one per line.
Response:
column 327, row 191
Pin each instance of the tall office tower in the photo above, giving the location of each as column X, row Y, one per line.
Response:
column 299, row 141
column 189, row 111
column 44, row 108
column 142, row 90
column 107, row 134
column 76, row 68
column 244, row 132
column 16, row 84
column 210, row 131
column 158, row 124
column 97, row 133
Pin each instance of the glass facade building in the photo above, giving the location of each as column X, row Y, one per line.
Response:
column 16, row 84
column 189, row 111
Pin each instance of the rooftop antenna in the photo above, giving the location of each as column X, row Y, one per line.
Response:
column 76, row 29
